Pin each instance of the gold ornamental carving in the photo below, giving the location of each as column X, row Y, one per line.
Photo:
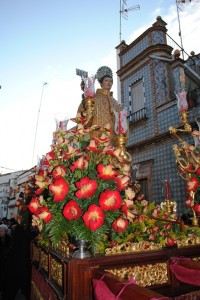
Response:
column 44, row 261
column 144, row 275
column 36, row 253
column 129, row 247
column 56, row 272
column 36, row 292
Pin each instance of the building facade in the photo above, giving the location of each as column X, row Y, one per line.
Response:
column 10, row 190
column 150, row 73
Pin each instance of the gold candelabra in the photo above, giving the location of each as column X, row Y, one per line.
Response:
column 169, row 206
column 187, row 158
column 89, row 110
column 121, row 141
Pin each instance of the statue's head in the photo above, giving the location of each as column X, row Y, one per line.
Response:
column 103, row 72
column 104, row 76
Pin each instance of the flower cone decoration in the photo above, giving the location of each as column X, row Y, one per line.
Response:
column 83, row 189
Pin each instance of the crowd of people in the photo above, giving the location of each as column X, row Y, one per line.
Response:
column 15, row 263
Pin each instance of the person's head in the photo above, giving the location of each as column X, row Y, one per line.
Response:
column 4, row 220
column 3, row 230
column 104, row 76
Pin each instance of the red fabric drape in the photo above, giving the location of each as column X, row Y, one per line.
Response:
column 186, row 273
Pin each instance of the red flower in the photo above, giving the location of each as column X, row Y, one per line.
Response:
column 87, row 188
column 198, row 171
column 93, row 146
column 72, row 210
column 38, row 191
column 110, row 200
column 103, row 139
column 50, row 155
column 169, row 241
column 44, row 214
column 167, row 226
column 120, row 224
column 80, row 163
column 152, row 237
column 106, row 172
column 122, row 182
column 94, row 217
column 192, row 184
column 197, row 208
column 70, row 152
column 59, row 188
column 34, row 205
column 189, row 203
column 124, row 209
column 59, row 171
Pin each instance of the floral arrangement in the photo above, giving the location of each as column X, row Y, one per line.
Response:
column 83, row 189
column 189, row 170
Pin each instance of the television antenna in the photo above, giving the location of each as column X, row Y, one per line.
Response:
column 179, row 7
column 124, row 13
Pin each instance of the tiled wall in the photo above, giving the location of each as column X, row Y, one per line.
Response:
column 168, row 117
column 134, row 51
column 164, row 167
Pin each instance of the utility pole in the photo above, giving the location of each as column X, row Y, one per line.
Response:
column 38, row 120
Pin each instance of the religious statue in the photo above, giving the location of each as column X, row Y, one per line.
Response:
column 104, row 105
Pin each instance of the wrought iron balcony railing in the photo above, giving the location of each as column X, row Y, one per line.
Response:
column 138, row 115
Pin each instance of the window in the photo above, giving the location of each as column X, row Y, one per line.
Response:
column 144, row 187
column 137, row 96
column 143, row 175
column 137, row 101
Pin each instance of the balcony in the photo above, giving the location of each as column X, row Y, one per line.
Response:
column 193, row 98
column 138, row 116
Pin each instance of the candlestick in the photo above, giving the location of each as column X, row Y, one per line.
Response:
column 167, row 189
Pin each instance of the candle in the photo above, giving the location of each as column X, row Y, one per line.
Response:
column 167, row 189
column 120, row 124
